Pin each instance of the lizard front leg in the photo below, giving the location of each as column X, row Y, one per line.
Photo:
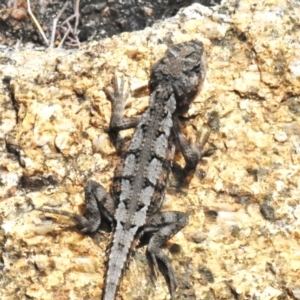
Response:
column 192, row 154
column 98, row 204
column 118, row 98
column 163, row 226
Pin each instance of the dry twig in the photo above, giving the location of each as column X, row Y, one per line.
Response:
column 35, row 21
column 67, row 31
column 55, row 24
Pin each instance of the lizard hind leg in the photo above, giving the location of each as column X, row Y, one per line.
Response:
column 163, row 226
column 98, row 203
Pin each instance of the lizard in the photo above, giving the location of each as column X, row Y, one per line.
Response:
column 140, row 180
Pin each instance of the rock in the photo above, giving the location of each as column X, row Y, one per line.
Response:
column 53, row 116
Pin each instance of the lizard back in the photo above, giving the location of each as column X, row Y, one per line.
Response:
column 140, row 180
column 138, row 187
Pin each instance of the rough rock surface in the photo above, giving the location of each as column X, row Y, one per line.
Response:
column 242, row 241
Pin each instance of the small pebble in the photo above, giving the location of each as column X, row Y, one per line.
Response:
column 280, row 136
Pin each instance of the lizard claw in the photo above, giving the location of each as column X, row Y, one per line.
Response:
column 82, row 223
column 155, row 264
column 201, row 141
column 119, row 93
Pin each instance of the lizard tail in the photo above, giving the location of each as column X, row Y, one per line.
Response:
column 117, row 259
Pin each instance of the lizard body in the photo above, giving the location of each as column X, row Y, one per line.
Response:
column 140, row 180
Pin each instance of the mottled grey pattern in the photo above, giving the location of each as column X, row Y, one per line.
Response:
column 138, row 187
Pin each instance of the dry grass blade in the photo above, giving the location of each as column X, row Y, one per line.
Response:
column 35, row 21
column 55, row 25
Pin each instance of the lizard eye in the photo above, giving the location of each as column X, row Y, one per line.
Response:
column 197, row 67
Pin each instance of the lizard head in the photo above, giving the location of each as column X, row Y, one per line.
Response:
column 180, row 72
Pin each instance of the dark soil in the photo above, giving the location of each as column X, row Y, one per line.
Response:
column 97, row 19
